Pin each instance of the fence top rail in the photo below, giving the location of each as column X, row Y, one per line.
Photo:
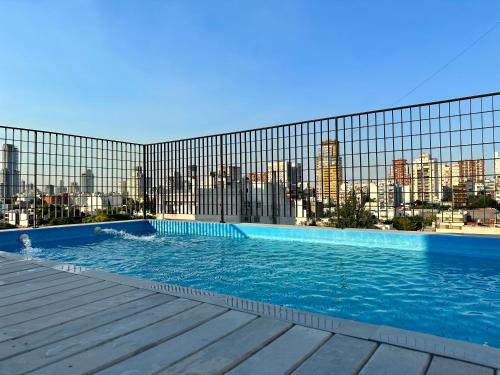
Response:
column 14, row 128
column 437, row 102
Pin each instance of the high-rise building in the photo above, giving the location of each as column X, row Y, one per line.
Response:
column 285, row 172
column 229, row 173
column 87, row 182
column 73, row 188
column 328, row 171
column 467, row 170
column 135, row 184
column 122, row 187
column 400, row 172
column 61, row 189
column 49, row 189
column 10, row 176
column 258, row 177
column 496, row 163
column 425, row 177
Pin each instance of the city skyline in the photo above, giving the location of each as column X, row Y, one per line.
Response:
column 401, row 171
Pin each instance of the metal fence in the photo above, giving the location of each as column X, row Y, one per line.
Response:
column 439, row 161
column 55, row 178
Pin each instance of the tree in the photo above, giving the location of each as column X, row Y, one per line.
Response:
column 413, row 223
column 353, row 214
column 482, row 201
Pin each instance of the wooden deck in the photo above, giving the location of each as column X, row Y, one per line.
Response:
column 57, row 322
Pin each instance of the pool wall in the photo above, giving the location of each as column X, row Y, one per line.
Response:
column 9, row 239
column 479, row 245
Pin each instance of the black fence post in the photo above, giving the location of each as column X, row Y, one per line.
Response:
column 221, row 180
column 35, row 180
column 144, row 180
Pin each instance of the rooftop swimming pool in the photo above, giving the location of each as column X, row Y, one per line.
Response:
column 446, row 285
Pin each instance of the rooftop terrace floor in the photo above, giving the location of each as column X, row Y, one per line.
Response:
column 59, row 319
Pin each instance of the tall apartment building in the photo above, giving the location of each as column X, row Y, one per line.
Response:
column 328, row 172
column 285, row 172
column 467, row 170
column 10, row 176
column 135, row 184
column 87, row 182
column 400, row 173
column 496, row 163
column 49, row 189
column 73, row 188
column 61, row 188
column 425, row 177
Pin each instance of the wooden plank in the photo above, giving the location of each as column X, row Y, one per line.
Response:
column 21, row 271
column 133, row 343
column 72, row 345
column 81, row 325
column 226, row 353
column 99, row 291
column 31, row 285
column 440, row 365
column 339, row 355
column 389, row 359
column 167, row 353
column 18, row 278
column 18, row 267
column 285, row 353
column 39, row 293
column 76, row 289
column 6, row 262
column 48, row 321
column 10, row 262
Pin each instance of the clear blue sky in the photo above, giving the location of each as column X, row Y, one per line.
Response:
column 158, row 70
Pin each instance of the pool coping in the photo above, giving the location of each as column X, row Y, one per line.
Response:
column 441, row 346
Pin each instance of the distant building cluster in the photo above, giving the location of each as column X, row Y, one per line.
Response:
column 279, row 192
column 19, row 198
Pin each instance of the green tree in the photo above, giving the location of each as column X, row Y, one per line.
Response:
column 482, row 201
column 353, row 214
column 412, row 223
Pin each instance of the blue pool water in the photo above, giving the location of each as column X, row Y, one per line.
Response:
column 431, row 292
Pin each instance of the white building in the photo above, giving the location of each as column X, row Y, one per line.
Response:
column 135, row 184
column 426, row 186
column 90, row 203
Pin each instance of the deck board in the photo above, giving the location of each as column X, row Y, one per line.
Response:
column 16, row 266
column 79, row 288
column 130, row 344
column 153, row 360
column 440, row 365
column 32, row 285
column 231, row 350
column 389, row 359
column 340, row 355
column 27, row 275
column 32, row 295
column 285, row 353
column 34, row 325
column 98, row 291
column 80, row 325
column 57, row 322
